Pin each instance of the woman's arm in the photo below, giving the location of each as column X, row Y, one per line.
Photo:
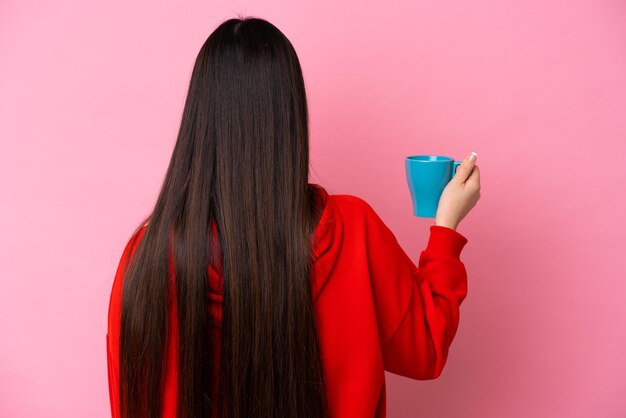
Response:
column 417, row 306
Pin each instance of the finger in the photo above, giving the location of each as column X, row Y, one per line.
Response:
column 474, row 177
column 465, row 169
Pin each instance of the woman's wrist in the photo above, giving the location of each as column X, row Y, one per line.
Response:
column 445, row 223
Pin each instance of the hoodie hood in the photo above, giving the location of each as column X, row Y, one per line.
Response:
column 326, row 251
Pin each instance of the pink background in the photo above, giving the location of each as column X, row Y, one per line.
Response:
column 91, row 96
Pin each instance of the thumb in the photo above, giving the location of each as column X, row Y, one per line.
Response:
column 465, row 169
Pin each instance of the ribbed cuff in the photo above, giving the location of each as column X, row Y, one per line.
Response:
column 444, row 240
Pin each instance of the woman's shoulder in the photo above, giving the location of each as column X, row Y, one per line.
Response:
column 351, row 204
column 348, row 203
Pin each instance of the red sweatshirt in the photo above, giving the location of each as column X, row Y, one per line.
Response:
column 375, row 309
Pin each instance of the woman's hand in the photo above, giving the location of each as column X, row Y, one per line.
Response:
column 460, row 194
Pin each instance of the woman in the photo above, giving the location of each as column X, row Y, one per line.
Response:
column 249, row 292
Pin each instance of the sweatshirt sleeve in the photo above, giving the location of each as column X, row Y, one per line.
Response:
column 113, row 329
column 113, row 372
column 417, row 307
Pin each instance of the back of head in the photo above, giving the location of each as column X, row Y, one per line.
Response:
column 240, row 164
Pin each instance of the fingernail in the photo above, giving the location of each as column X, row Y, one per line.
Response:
column 473, row 156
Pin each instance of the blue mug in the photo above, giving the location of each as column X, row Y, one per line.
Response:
column 427, row 176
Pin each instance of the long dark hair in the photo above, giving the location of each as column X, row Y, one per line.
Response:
column 241, row 165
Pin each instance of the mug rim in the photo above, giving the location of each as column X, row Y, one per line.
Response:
column 412, row 158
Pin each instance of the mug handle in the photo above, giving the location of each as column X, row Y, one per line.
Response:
column 456, row 165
